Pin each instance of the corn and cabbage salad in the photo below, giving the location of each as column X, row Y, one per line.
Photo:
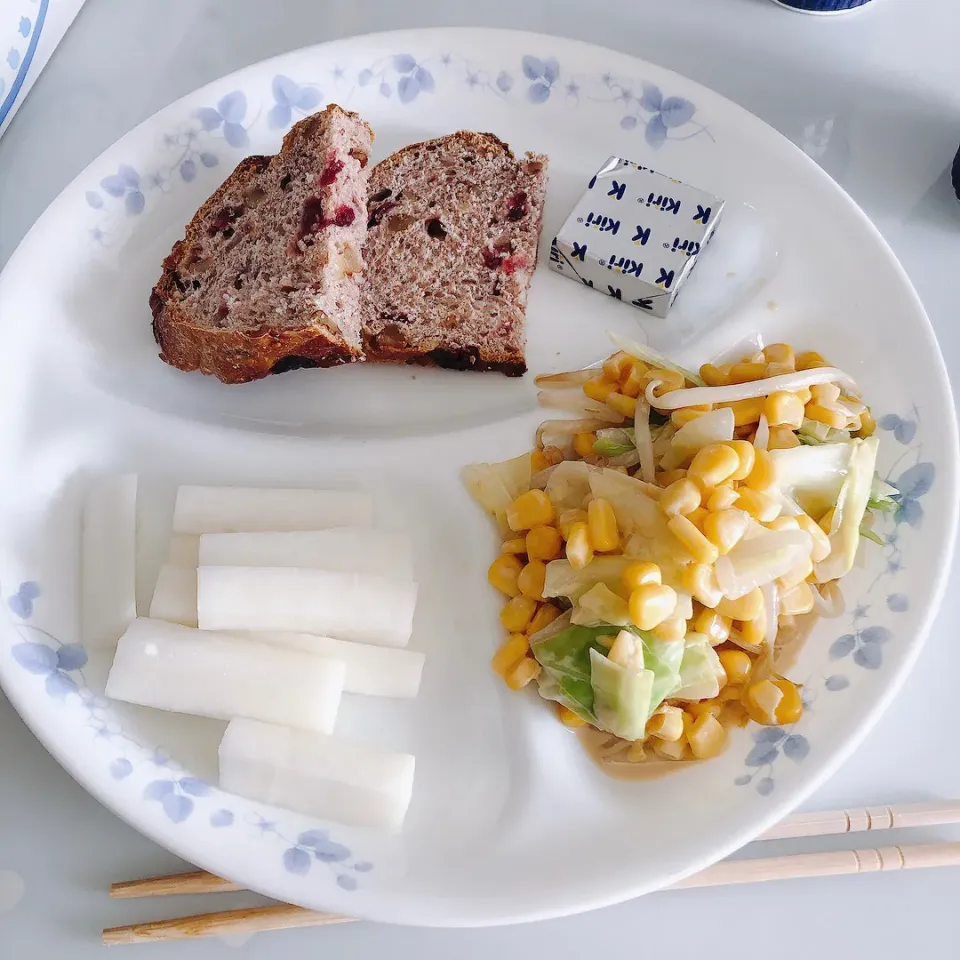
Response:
column 658, row 546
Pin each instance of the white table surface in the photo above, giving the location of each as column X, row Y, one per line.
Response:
column 875, row 97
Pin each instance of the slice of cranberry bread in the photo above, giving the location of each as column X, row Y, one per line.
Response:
column 453, row 229
column 267, row 276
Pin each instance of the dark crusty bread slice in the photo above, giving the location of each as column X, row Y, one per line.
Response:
column 267, row 276
column 453, row 230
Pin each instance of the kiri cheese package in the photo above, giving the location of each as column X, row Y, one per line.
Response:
column 635, row 234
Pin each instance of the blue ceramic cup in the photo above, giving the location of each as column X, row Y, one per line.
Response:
column 822, row 6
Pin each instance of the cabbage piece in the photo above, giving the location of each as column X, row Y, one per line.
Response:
column 701, row 673
column 713, row 427
column 848, row 513
column 761, row 560
column 663, row 659
column 649, row 355
column 614, row 441
column 621, row 697
column 496, row 485
column 813, row 476
column 564, row 580
column 569, row 485
column 601, row 605
column 643, row 440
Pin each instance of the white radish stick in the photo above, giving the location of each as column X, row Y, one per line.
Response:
column 248, row 510
column 374, row 671
column 348, row 606
column 170, row 667
column 342, row 780
column 175, row 595
column 384, row 553
column 184, row 550
column 109, row 551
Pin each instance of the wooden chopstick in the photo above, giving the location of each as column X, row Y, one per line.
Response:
column 829, row 863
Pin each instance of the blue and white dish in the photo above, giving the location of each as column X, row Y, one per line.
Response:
column 510, row 820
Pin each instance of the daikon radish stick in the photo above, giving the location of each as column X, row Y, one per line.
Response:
column 109, row 553
column 176, row 668
column 348, row 606
column 175, row 595
column 326, row 777
column 184, row 550
column 247, row 510
column 374, row 671
column 384, row 553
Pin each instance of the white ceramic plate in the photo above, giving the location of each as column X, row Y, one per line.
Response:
column 509, row 820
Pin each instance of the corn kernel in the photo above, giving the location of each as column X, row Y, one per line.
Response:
column 810, row 360
column 627, row 406
column 754, row 631
column 746, row 454
column 509, row 653
column 736, row 664
column 602, row 524
column 826, row 521
column 698, row 546
column 713, row 625
column 554, row 455
column 725, row 529
column 503, row 574
column 670, row 749
column 671, row 630
column 526, row 670
column 531, row 578
column 685, row 415
column 615, row 365
column 797, row 575
column 790, row 708
column 758, row 505
column 797, row 600
column 707, row 737
column 713, row 376
column 730, row 691
column 652, row 603
column 784, row 523
column 696, row 517
column 782, row 438
column 633, row 383
column 579, row 548
column 518, row 613
column 518, row 546
column 538, row 462
column 722, row 498
column 583, row 443
column 828, row 415
column 746, row 411
column 666, row 724
column 669, row 380
column 568, row 518
column 670, row 476
column 698, row 708
column 747, row 372
column 530, row 509
column 568, row 718
column 747, row 607
column 620, row 469
column 639, row 573
column 713, row 464
column 599, row 388
column 825, row 393
column 700, row 581
column 783, row 409
column 733, row 715
column 682, row 496
column 779, row 369
column 779, row 353
column 545, row 615
column 761, row 700
column 544, row 543
column 626, row 650
column 763, row 476
column 867, row 425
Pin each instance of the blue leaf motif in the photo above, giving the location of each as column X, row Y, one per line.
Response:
column 309, row 98
column 29, row 589
column 194, row 786
column 869, row 656
column 768, row 735
column 221, row 818
column 21, row 603
column 425, row 79
column 347, row 882
column 177, row 807
column 504, row 82
column 905, row 431
column 762, row 754
column 404, row 63
column 539, row 92
column 842, row 646
column 385, row 89
column 836, row 683
column 13, row 58
column 407, row 89
column 209, row 159
column 209, row 118
column 675, row 111
column 296, row 860
column 915, row 481
column 651, row 99
column 796, row 747
column 765, row 786
column 533, row 68
column 330, row 852
column 129, row 176
column 235, row 135
column 121, row 768
column 909, row 511
column 59, row 685
column 71, row 656
column 742, row 780
column 876, row 635
column 551, row 69
column 279, row 116
column 94, row 199
column 363, row 867
column 134, row 202
column 898, row 602
column 364, row 77
column 24, row 27
column 285, row 90
column 889, row 421
column 114, row 185
column 35, row 657
column 656, row 131
column 233, row 106
column 628, row 123
column 311, row 838
column 158, row 789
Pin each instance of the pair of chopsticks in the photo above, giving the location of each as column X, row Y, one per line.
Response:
column 830, row 863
